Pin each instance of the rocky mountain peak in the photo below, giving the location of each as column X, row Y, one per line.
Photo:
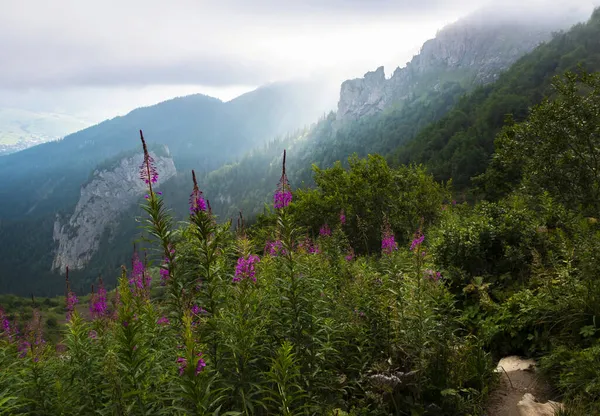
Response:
column 110, row 192
column 471, row 51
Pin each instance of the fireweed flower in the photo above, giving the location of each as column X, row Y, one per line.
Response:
column 350, row 255
column 139, row 280
column 245, row 268
column 148, row 172
column 200, row 364
column 32, row 340
column 325, row 231
column 163, row 320
column 283, row 194
column 432, row 275
column 197, row 201
column 275, row 248
column 98, row 306
column 417, row 241
column 314, row 249
column 164, row 275
column 342, row 217
column 182, row 365
column 5, row 327
column 388, row 243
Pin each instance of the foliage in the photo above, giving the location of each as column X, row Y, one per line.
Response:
column 556, row 149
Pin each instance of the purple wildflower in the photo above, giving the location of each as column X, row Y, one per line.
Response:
column 388, row 243
column 139, row 279
column 325, row 231
column 23, row 348
column 417, row 241
column 164, row 275
column 275, row 248
column 32, row 340
column 197, row 201
column 5, row 325
column 350, row 255
column 98, row 306
column 342, row 217
column 432, row 275
column 182, row 365
column 245, row 268
column 163, row 320
column 283, row 194
column 148, row 172
column 200, row 364
column 92, row 334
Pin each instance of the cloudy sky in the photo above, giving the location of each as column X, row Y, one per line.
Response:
column 100, row 58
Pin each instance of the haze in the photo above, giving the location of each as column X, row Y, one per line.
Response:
column 98, row 59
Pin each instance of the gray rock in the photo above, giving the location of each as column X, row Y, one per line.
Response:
column 469, row 51
column 108, row 194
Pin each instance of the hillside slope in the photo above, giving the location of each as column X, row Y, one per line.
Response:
column 198, row 131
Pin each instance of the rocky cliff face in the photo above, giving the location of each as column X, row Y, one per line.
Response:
column 108, row 194
column 471, row 51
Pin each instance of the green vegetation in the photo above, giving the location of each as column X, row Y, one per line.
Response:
column 372, row 293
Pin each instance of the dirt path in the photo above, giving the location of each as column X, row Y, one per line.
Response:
column 518, row 377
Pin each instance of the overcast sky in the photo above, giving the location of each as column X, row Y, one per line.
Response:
column 100, row 58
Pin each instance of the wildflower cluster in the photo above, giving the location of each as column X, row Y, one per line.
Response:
column 388, row 243
column 139, row 280
column 275, row 248
column 432, row 275
column 245, row 268
column 417, row 241
column 325, row 231
column 98, row 306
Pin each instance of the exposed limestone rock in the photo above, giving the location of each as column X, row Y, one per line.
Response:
column 472, row 51
column 518, row 387
column 528, row 406
column 109, row 193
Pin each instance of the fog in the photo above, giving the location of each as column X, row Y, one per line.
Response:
column 96, row 59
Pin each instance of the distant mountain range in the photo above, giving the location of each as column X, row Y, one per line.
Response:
column 20, row 129
column 53, row 193
column 43, row 183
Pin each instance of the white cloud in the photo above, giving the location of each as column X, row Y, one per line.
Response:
column 137, row 51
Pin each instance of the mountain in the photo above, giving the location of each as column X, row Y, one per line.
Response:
column 216, row 139
column 472, row 51
column 20, row 129
column 42, row 185
column 461, row 143
column 418, row 129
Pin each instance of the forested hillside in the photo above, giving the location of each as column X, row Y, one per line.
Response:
column 458, row 146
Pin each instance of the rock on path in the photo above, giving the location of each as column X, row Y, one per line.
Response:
column 521, row 391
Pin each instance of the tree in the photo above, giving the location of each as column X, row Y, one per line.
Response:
column 558, row 148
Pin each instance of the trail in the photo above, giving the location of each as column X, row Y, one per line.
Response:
column 521, row 392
